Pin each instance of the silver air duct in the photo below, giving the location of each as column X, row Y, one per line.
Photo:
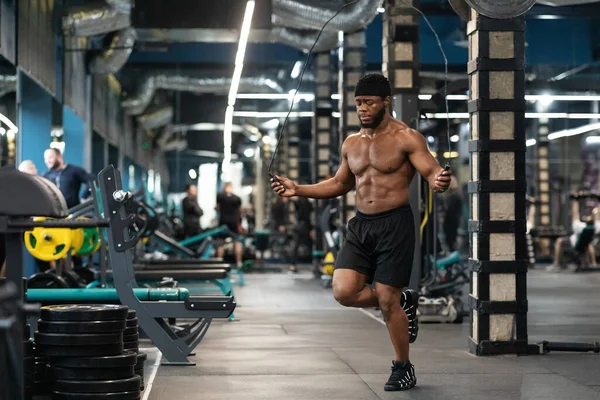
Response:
column 122, row 6
column 8, row 84
column 116, row 54
column 137, row 103
column 155, row 119
column 304, row 39
column 95, row 19
column 302, row 14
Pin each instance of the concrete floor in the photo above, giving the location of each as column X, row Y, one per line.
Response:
column 294, row 341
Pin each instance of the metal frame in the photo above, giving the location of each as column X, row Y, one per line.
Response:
column 175, row 346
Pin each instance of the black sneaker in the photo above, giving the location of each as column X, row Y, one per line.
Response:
column 409, row 301
column 402, row 378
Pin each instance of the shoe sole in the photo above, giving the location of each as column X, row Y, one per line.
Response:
column 390, row 388
column 413, row 299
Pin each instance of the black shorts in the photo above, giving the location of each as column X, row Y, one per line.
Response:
column 380, row 246
column 234, row 227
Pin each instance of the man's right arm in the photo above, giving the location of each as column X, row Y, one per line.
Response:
column 339, row 185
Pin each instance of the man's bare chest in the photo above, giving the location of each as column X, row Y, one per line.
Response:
column 385, row 156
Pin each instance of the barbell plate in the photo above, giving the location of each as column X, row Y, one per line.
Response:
column 126, row 359
column 98, row 386
column 81, row 327
column 84, row 312
column 501, row 9
column 76, row 240
column 48, row 244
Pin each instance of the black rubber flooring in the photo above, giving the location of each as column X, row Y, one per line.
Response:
column 294, row 341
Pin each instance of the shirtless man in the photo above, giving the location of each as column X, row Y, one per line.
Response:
column 380, row 161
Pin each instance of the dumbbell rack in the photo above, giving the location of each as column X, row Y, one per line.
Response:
column 175, row 346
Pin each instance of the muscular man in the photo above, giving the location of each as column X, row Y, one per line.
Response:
column 229, row 207
column 69, row 179
column 191, row 212
column 380, row 161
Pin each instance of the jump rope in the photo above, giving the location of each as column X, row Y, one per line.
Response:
column 439, row 43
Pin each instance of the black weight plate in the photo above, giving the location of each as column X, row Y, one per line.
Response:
column 142, row 357
column 82, row 339
column 126, row 359
column 134, row 395
column 131, row 338
column 81, row 351
column 27, row 332
column 84, row 312
column 131, row 314
column 28, row 348
column 81, row 327
column 115, row 385
column 92, row 374
column 131, row 346
column 131, row 323
column 131, row 331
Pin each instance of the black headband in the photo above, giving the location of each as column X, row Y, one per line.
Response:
column 372, row 89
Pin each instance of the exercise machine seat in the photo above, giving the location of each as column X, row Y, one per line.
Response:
column 30, row 195
column 450, row 259
column 181, row 275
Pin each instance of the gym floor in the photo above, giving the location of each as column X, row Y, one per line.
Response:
column 294, row 341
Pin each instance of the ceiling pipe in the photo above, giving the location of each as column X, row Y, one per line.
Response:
column 116, row 54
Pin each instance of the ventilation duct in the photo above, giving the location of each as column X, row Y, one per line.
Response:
column 155, row 119
column 94, row 19
column 116, row 54
column 122, row 6
column 137, row 103
column 8, row 84
column 313, row 14
column 304, row 39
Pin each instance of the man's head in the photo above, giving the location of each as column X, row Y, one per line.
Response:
column 228, row 187
column 372, row 96
column 191, row 190
column 53, row 158
column 28, row 167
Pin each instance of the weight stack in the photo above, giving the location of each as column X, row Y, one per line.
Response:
column 85, row 348
column 131, row 342
column 28, row 370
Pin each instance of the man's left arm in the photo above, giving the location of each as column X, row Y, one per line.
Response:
column 85, row 178
column 423, row 161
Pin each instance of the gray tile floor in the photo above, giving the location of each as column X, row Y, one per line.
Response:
column 293, row 341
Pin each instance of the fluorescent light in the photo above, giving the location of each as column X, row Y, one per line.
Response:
column 452, row 154
column 254, row 138
column 276, row 96
column 530, row 142
column 592, row 139
column 574, row 131
column 249, row 152
column 8, row 123
column 235, row 82
column 454, row 138
column 2, row 131
column 380, row 10
column 10, row 134
column 533, row 115
column 430, row 139
column 245, row 32
column 296, row 70
column 336, row 114
column 267, row 139
column 271, row 114
column 335, row 96
column 192, row 173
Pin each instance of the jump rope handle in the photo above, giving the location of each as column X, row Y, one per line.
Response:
column 447, row 167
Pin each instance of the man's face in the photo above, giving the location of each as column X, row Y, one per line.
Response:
column 371, row 110
column 228, row 188
column 51, row 159
column 193, row 191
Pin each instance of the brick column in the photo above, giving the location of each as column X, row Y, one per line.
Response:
column 498, row 256
column 352, row 64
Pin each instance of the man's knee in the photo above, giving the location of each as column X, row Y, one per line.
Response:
column 344, row 294
column 389, row 303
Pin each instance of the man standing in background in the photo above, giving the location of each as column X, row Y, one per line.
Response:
column 229, row 209
column 191, row 212
column 68, row 178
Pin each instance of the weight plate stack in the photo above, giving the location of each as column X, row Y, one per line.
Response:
column 128, row 388
column 28, row 367
column 131, row 335
column 81, row 330
column 41, row 376
column 139, row 367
